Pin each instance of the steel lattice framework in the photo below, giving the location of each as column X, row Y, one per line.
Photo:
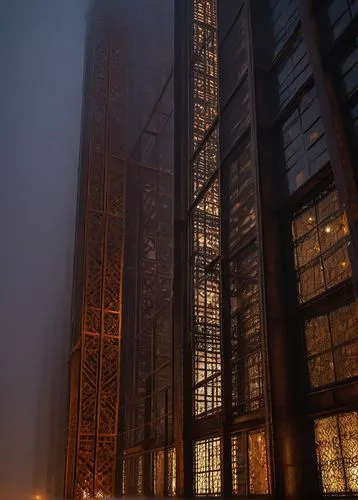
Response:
column 94, row 364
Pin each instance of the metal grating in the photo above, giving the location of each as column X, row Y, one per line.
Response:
column 332, row 345
column 250, row 468
column 207, row 467
column 337, row 453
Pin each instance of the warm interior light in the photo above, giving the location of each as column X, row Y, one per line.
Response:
column 328, row 229
column 310, row 219
column 344, row 263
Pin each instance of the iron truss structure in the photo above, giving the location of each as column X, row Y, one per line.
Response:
column 97, row 303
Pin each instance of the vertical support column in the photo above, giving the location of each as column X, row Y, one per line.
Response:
column 226, row 354
column 345, row 178
column 181, row 341
column 225, row 332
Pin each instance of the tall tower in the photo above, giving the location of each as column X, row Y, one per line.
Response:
column 94, row 362
column 124, row 238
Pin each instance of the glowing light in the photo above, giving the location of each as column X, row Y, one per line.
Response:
column 328, row 229
column 344, row 264
column 310, row 219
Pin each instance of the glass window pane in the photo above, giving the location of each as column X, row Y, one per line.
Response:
column 258, row 469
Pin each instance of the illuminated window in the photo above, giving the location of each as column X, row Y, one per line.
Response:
column 337, row 453
column 204, row 68
column 304, row 143
column 332, row 345
column 247, row 363
column 158, row 473
column 206, row 304
column 140, row 475
column 205, row 163
column 207, row 347
column 321, row 237
column 171, row 478
column 124, row 477
column 207, row 467
column 250, row 470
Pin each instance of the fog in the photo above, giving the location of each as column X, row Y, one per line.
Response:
column 41, row 61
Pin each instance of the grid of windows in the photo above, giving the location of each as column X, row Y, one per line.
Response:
column 293, row 71
column 132, row 475
column 303, row 140
column 321, row 237
column 207, row 467
column 205, row 70
column 337, row 453
column 247, row 362
column 332, row 345
column 348, row 70
column 250, row 466
column 242, row 218
column 205, row 223
column 284, row 19
column 205, row 163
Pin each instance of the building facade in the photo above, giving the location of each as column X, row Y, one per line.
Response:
column 244, row 381
column 265, row 313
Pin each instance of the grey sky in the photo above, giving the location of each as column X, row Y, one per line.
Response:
column 41, row 61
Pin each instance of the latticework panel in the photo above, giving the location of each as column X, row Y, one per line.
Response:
column 337, row 453
column 133, row 475
column 206, row 328
column 101, row 218
column 171, row 478
column 246, row 334
column 332, row 346
column 321, row 237
column 250, row 466
column 158, row 473
column 204, row 218
column 207, row 467
column 205, row 68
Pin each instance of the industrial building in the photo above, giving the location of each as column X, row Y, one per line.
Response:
column 223, row 315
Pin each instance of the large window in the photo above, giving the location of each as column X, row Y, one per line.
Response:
column 247, row 363
column 303, row 140
column 206, row 304
column 207, row 467
column 337, row 453
column 321, row 237
column 332, row 345
column 242, row 218
column 158, row 473
column 284, row 19
column 348, row 71
column 171, row 478
column 293, row 72
column 250, row 470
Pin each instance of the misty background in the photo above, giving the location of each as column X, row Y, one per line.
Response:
column 41, row 67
